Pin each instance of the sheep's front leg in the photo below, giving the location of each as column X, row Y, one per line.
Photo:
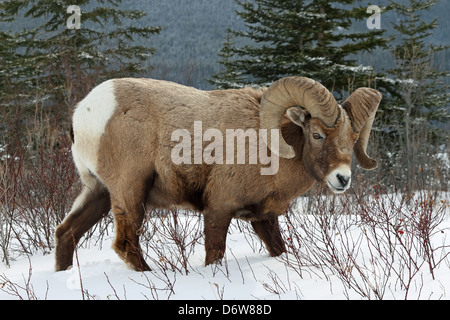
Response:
column 216, row 228
column 269, row 232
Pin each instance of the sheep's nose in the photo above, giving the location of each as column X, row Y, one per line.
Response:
column 343, row 180
column 339, row 179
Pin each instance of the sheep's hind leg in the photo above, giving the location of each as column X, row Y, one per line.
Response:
column 269, row 232
column 90, row 206
column 216, row 228
column 129, row 210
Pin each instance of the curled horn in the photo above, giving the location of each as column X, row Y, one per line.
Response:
column 292, row 91
column 361, row 107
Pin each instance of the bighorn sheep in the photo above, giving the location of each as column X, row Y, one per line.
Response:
column 122, row 147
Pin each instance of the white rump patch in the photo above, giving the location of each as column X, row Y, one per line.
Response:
column 89, row 121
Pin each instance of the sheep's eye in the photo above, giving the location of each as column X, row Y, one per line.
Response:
column 317, row 136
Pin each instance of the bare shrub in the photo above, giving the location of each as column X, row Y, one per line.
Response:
column 171, row 239
column 373, row 241
column 37, row 187
column 9, row 171
column 45, row 194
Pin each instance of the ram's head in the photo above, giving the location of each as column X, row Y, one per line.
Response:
column 331, row 132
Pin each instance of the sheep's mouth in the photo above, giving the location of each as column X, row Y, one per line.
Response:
column 336, row 189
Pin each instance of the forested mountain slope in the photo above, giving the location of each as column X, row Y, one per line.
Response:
column 194, row 30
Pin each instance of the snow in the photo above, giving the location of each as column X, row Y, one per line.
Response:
column 86, row 55
column 104, row 276
column 397, row 81
column 358, row 69
column 311, row 15
column 247, row 272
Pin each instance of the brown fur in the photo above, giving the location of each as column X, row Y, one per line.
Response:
column 136, row 169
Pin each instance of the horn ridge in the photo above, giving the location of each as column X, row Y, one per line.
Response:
column 291, row 91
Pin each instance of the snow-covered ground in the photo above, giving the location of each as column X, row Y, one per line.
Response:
column 105, row 276
column 247, row 271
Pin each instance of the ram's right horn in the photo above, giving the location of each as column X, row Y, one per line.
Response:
column 361, row 107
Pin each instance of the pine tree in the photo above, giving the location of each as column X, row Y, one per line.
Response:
column 421, row 86
column 307, row 38
column 54, row 65
column 230, row 77
column 420, row 110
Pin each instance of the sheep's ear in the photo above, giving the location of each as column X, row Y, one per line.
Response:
column 297, row 116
